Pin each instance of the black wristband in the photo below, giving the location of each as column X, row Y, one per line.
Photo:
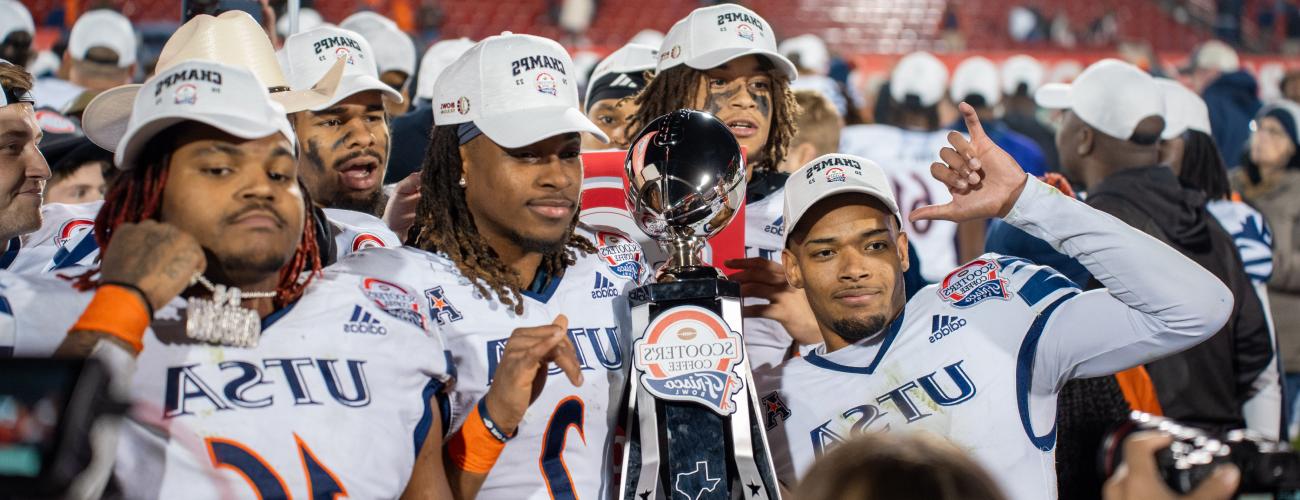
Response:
column 143, row 296
column 492, row 425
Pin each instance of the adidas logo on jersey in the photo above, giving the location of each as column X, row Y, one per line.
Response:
column 775, row 226
column 363, row 322
column 942, row 326
column 604, row 288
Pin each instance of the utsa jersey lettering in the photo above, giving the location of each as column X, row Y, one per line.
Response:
column 980, row 356
column 906, row 156
column 67, row 238
column 563, row 446
column 334, row 399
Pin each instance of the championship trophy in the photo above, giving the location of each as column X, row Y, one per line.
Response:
column 694, row 431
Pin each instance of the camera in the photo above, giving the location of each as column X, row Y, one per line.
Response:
column 1266, row 466
column 47, row 410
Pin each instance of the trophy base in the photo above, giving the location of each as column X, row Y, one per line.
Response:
column 690, row 449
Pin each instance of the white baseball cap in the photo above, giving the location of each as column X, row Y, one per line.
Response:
column 103, row 28
column 1111, row 96
column 436, row 59
column 710, row 36
column 394, row 49
column 229, row 98
column 308, row 18
column 14, row 16
column 811, row 51
column 358, row 21
column 1216, row 55
column 978, row 76
column 517, row 89
column 651, row 37
column 1022, row 69
column 919, row 74
column 832, row 174
column 1184, row 110
column 309, row 55
column 630, row 58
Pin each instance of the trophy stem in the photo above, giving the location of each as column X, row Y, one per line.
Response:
column 685, row 260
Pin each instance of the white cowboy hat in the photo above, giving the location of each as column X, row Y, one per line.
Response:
column 233, row 38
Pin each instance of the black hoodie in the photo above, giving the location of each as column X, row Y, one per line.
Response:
column 1207, row 384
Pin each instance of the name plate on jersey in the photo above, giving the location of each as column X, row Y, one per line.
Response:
column 688, row 353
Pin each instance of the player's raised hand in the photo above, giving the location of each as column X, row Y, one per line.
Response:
column 155, row 257
column 984, row 180
column 521, row 373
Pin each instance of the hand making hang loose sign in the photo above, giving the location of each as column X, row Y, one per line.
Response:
column 984, row 180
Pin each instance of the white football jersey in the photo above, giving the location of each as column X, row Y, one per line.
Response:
column 980, row 356
column 766, row 341
column 334, row 399
column 67, row 238
column 906, row 156
column 563, row 445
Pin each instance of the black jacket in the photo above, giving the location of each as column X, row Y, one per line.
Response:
column 1206, row 385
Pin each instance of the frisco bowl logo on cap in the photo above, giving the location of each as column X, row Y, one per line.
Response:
column 744, row 31
column 187, row 94
column 546, row 84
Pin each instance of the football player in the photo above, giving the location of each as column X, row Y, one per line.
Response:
column 345, row 140
column 980, row 356
column 495, row 247
column 723, row 60
column 23, row 170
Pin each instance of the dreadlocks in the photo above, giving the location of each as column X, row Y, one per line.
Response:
column 676, row 87
column 443, row 223
column 137, row 195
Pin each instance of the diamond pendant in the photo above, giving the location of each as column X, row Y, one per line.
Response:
column 222, row 319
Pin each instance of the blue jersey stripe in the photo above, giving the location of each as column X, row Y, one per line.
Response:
column 1025, row 375
column 1042, row 284
column 431, row 389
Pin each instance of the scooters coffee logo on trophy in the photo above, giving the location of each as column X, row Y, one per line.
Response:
column 689, row 354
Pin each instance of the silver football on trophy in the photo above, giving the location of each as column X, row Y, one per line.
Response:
column 686, row 178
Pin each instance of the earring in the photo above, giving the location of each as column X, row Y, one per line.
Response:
column 462, row 181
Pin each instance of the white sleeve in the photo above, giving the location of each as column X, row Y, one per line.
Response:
column 1156, row 302
column 1263, row 411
